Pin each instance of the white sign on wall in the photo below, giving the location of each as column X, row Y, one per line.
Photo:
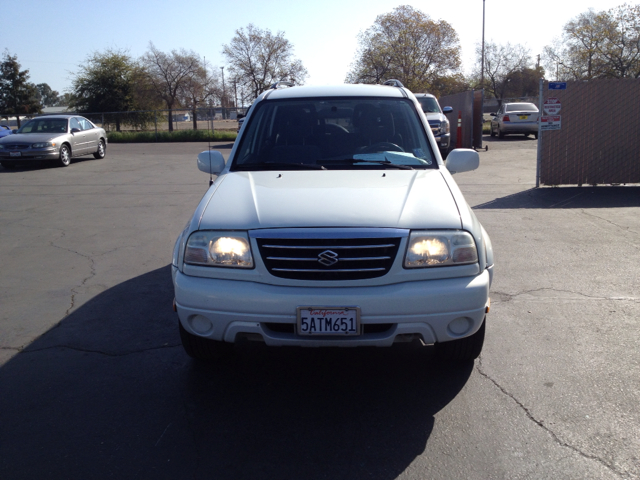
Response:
column 550, row 122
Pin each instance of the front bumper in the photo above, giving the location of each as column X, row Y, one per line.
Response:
column 226, row 309
column 26, row 155
column 443, row 140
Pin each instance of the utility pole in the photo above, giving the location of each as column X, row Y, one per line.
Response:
column 224, row 94
column 482, row 66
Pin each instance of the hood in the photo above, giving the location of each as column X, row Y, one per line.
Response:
column 333, row 198
column 436, row 116
column 29, row 138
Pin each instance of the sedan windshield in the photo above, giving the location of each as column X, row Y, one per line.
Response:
column 45, row 125
column 334, row 133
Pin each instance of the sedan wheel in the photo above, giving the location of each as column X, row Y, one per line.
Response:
column 101, row 152
column 65, row 156
column 500, row 134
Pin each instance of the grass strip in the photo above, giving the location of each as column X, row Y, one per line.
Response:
column 175, row 136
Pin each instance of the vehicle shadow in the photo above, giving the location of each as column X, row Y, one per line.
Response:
column 568, row 197
column 41, row 164
column 109, row 393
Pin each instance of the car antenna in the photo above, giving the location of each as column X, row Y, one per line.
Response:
column 211, row 117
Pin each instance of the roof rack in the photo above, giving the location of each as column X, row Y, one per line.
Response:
column 394, row 83
column 281, row 84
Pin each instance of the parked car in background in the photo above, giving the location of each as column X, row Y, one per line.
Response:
column 437, row 120
column 56, row 138
column 334, row 222
column 4, row 131
column 514, row 118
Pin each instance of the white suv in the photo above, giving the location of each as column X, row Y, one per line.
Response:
column 334, row 222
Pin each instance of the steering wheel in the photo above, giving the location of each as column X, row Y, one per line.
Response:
column 376, row 147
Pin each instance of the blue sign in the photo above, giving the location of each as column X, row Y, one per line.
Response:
column 557, row 85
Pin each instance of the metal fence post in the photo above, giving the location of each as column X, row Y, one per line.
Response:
column 539, row 153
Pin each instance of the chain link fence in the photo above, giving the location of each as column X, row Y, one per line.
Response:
column 599, row 138
column 206, row 118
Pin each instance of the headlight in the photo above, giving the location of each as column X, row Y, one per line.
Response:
column 440, row 248
column 43, row 145
column 445, row 126
column 217, row 249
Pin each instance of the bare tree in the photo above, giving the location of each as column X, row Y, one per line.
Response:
column 258, row 58
column 198, row 89
column 598, row 45
column 169, row 73
column 408, row 45
column 502, row 64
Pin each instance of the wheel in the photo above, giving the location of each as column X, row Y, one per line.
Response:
column 65, row 156
column 493, row 134
column 202, row 348
column 382, row 146
column 101, row 152
column 500, row 133
column 464, row 349
column 8, row 164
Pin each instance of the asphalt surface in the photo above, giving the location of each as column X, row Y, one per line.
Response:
column 94, row 382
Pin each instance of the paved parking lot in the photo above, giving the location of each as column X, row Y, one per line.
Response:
column 94, row 383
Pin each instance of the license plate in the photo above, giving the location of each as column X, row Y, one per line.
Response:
column 15, row 154
column 524, row 117
column 342, row 321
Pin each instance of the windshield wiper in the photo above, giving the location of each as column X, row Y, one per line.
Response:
column 249, row 167
column 353, row 161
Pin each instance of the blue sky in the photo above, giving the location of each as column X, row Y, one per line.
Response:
column 53, row 37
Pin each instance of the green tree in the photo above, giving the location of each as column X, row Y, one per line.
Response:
column 17, row 95
column 258, row 58
column 110, row 81
column 407, row 45
column 46, row 95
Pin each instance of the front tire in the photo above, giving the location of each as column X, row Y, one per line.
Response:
column 65, row 156
column 464, row 349
column 203, row 349
column 500, row 133
column 101, row 152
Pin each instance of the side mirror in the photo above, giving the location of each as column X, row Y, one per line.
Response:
column 493, row 114
column 15, row 130
column 447, row 110
column 462, row 160
column 75, row 130
column 210, row 161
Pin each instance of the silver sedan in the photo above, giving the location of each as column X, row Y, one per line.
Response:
column 58, row 138
column 515, row 118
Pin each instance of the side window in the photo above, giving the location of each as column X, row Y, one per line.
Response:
column 75, row 124
column 85, row 124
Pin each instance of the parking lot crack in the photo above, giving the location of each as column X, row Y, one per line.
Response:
column 622, row 227
column 547, row 293
column 102, row 352
column 542, row 425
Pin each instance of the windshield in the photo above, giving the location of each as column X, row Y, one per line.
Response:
column 521, row 107
column 45, row 125
column 429, row 105
column 334, row 133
